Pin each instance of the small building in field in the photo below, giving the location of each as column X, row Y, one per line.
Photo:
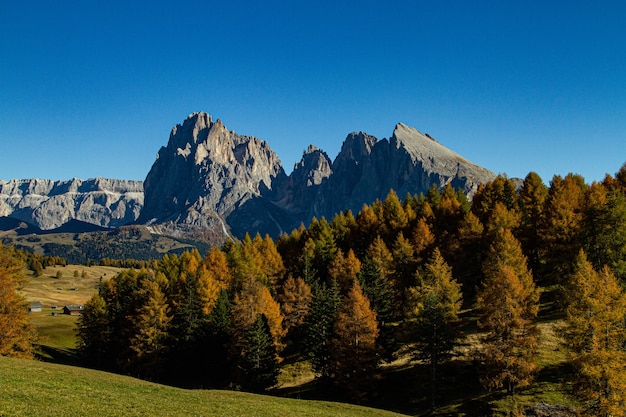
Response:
column 73, row 310
column 36, row 307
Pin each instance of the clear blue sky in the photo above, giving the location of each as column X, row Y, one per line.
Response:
column 93, row 88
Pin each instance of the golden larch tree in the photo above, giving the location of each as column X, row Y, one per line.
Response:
column 596, row 334
column 17, row 334
column 354, row 350
column 509, row 303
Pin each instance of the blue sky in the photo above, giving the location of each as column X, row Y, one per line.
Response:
column 93, row 88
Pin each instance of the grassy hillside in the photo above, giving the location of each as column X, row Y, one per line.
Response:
column 127, row 242
column 74, row 284
column 31, row 388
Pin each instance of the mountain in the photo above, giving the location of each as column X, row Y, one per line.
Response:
column 51, row 204
column 209, row 183
column 212, row 183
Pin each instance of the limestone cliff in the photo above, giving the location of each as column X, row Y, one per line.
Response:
column 49, row 204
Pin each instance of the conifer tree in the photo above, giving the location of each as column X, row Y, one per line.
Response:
column 509, row 303
column 532, row 200
column 561, row 231
column 435, row 304
column 354, row 353
column 295, row 302
column 468, row 256
column 596, row 334
column 216, row 264
column 151, row 323
column 253, row 299
column 344, row 269
column 367, row 226
column 379, row 290
column 405, row 266
column 93, row 334
column 422, row 237
column 395, row 218
column 17, row 335
column 605, row 228
column 380, row 254
column 319, row 324
column 257, row 366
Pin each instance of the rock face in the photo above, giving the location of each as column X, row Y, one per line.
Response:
column 211, row 180
column 210, row 183
column 215, row 183
column 50, row 204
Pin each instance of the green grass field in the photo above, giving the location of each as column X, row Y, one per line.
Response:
column 32, row 388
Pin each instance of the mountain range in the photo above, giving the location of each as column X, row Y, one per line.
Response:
column 209, row 183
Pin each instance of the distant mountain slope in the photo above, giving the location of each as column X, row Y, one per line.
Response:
column 50, row 204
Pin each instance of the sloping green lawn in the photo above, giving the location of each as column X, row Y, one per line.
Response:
column 33, row 388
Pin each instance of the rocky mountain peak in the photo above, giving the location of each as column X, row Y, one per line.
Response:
column 210, row 183
column 205, row 172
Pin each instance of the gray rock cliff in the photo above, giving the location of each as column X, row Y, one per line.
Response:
column 211, row 180
column 209, row 183
column 50, row 204
column 215, row 183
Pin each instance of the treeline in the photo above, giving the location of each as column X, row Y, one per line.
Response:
column 348, row 293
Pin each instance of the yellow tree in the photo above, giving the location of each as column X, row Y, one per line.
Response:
column 509, row 303
column 254, row 299
column 151, row 324
column 354, row 350
column 295, row 302
column 595, row 334
column 216, row 264
column 423, row 237
column 344, row 269
column 17, row 335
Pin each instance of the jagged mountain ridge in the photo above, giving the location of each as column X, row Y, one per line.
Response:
column 209, row 183
column 50, row 204
column 211, row 179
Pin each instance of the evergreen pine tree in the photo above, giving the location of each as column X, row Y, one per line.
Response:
column 93, row 334
column 257, row 367
column 435, row 305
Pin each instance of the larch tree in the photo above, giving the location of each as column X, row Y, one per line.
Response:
column 151, row 323
column 562, row 226
column 216, row 264
column 17, row 334
column 254, row 299
column 532, row 199
column 395, row 218
column 422, row 236
column 344, row 269
column 295, row 302
column 509, row 303
column 354, row 353
column 434, row 305
column 596, row 334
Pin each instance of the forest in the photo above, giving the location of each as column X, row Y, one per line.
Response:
column 399, row 277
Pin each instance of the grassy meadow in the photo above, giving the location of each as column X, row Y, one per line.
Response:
column 32, row 388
